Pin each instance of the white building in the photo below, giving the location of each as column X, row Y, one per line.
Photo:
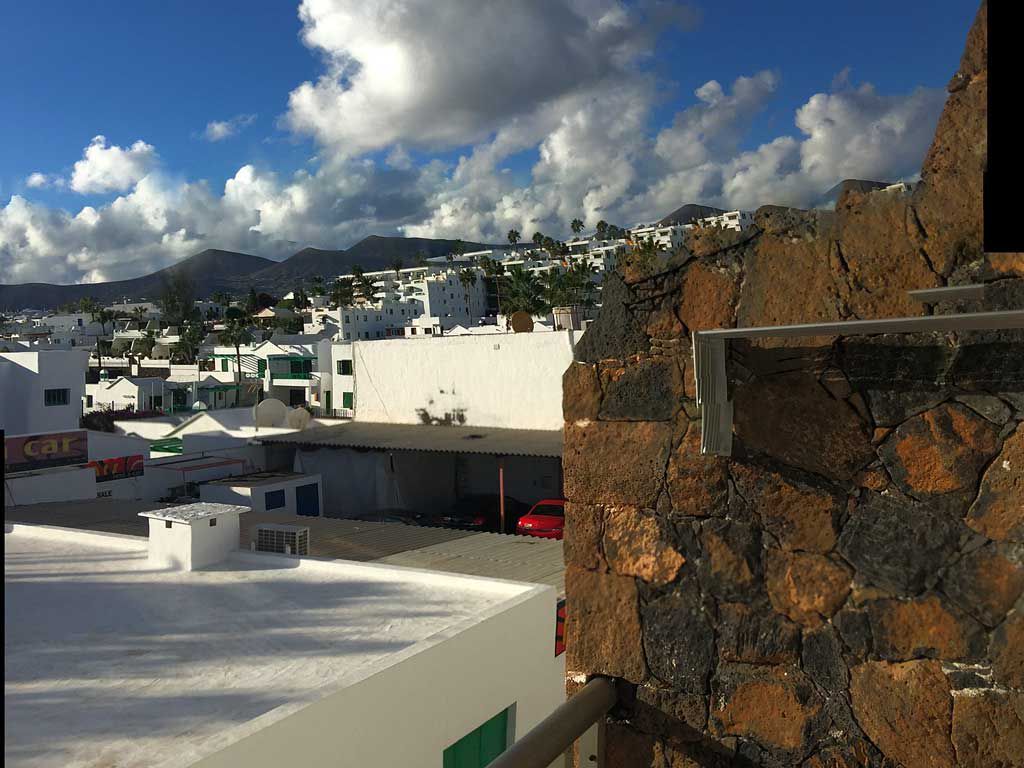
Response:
column 260, row 659
column 735, row 220
column 512, row 380
column 137, row 393
column 667, row 237
column 42, row 391
column 336, row 397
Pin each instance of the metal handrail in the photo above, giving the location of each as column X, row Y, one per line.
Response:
column 553, row 735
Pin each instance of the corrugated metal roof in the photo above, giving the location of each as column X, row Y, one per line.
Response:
column 421, row 437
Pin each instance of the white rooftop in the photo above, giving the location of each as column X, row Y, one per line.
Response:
column 111, row 662
column 188, row 513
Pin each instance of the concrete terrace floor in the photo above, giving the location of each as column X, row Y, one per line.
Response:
column 517, row 558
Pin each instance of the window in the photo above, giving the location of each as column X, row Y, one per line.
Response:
column 413, row 331
column 223, row 364
column 346, row 399
column 213, row 521
column 428, row 331
column 346, row 318
column 157, row 401
column 274, row 499
column 348, row 335
column 479, row 747
column 378, row 334
column 88, row 401
column 56, row 396
column 167, row 524
column 345, row 367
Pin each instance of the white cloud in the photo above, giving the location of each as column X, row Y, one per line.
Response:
column 405, row 77
column 218, row 130
column 111, row 168
column 37, row 180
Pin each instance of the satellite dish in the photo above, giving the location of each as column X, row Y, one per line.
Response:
column 199, row 405
column 298, row 418
column 269, row 413
column 522, row 322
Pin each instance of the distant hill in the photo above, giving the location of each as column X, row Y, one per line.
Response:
column 828, row 200
column 371, row 253
column 685, row 213
column 215, row 270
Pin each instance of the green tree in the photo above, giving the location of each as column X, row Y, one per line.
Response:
column 190, row 339
column 553, row 289
column 251, row 302
column 235, row 334
column 103, row 317
column 300, row 300
column 396, row 265
column 522, row 291
column 342, row 292
column 177, row 299
column 602, row 230
column 421, row 259
column 579, row 284
column 538, row 239
column 576, row 226
column 644, row 256
column 316, row 285
column 513, row 237
column 467, row 279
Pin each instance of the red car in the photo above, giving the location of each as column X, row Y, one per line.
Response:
column 546, row 519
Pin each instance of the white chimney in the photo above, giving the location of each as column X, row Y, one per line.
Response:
column 192, row 536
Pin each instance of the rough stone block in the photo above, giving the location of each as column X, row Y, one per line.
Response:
column 776, row 707
column 988, row 729
column 1006, row 650
column 708, row 297
column 822, row 658
column 603, row 625
column 806, row 587
column 854, row 628
column 798, row 515
column 897, row 544
column 989, row 406
column 698, row 485
column 679, row 638
column 756, row 635
column 615, row 462
column 638, row 543
column 791, row 418
column 906, row 710
column 998, row 511
column 584, row 526
column 939, row 452
column 676, row 717
column 731, row 561
column 650, row 389
column 581, row 392
column 924, row 626
column 987, row 582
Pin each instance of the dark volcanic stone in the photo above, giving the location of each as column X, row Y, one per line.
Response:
column 731, row 563
column 989, row 406
column 899, row 545
column 756, row 635
column 615, row 333
column 649, row 390
column 890, row 407
column 823, row 659
column 987, row 582
column 855, row 630
column 926, row 626
column 679, row 639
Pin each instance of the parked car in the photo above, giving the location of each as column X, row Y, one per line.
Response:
column 546, row 519
column 480, row 512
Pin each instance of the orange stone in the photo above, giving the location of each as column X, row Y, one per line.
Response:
column 806, row 587
column 635, row 545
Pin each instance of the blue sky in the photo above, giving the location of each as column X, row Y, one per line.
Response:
column 159, row 73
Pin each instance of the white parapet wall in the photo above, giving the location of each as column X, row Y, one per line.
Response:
column 49, row 485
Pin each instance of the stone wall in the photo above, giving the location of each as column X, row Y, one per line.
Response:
column 845, row 589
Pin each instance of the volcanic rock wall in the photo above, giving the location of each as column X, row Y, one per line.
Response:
column 845, row 589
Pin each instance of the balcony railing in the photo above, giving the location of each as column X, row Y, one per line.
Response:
column 292, row 374
column 578, row 717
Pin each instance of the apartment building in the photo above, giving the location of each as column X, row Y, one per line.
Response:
column 42, row 391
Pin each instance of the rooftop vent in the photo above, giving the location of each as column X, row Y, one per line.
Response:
column 283, row 539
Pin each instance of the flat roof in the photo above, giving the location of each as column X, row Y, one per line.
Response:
column 110, row 661
column 255, row 478
column 422, row 437
column 189, row 513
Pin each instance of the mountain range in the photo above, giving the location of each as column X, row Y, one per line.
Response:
column 215, row 270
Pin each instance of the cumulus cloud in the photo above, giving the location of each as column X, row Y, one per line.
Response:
column 404, row 78
column 111, row 168
column 37, row 180
column 218, row 130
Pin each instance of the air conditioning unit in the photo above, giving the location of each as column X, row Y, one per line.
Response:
column 284, row 539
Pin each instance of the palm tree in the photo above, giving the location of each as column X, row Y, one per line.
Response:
column 513, row 237
column 342, row 292
column 101, row 316
column 235, row 334
column 576, row 226
column 523, row 291
column 602, row 230
column 421, row 259
column 644, row 255
column 467, row 278
column 538, row 239
column 396, row 264
column 316, row 285
column 580, row 285
column 553, row 289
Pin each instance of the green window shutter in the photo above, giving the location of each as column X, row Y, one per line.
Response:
column 327, row 395
column 346, row 367
column 261, row 367
column 346, row 399
column 479, row 747
column 223, row 364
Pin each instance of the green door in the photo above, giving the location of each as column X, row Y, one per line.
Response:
column 346, row 399
column 327, row 401
column 479, row 747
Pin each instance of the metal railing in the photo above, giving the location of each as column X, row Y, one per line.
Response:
column 555, row 734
